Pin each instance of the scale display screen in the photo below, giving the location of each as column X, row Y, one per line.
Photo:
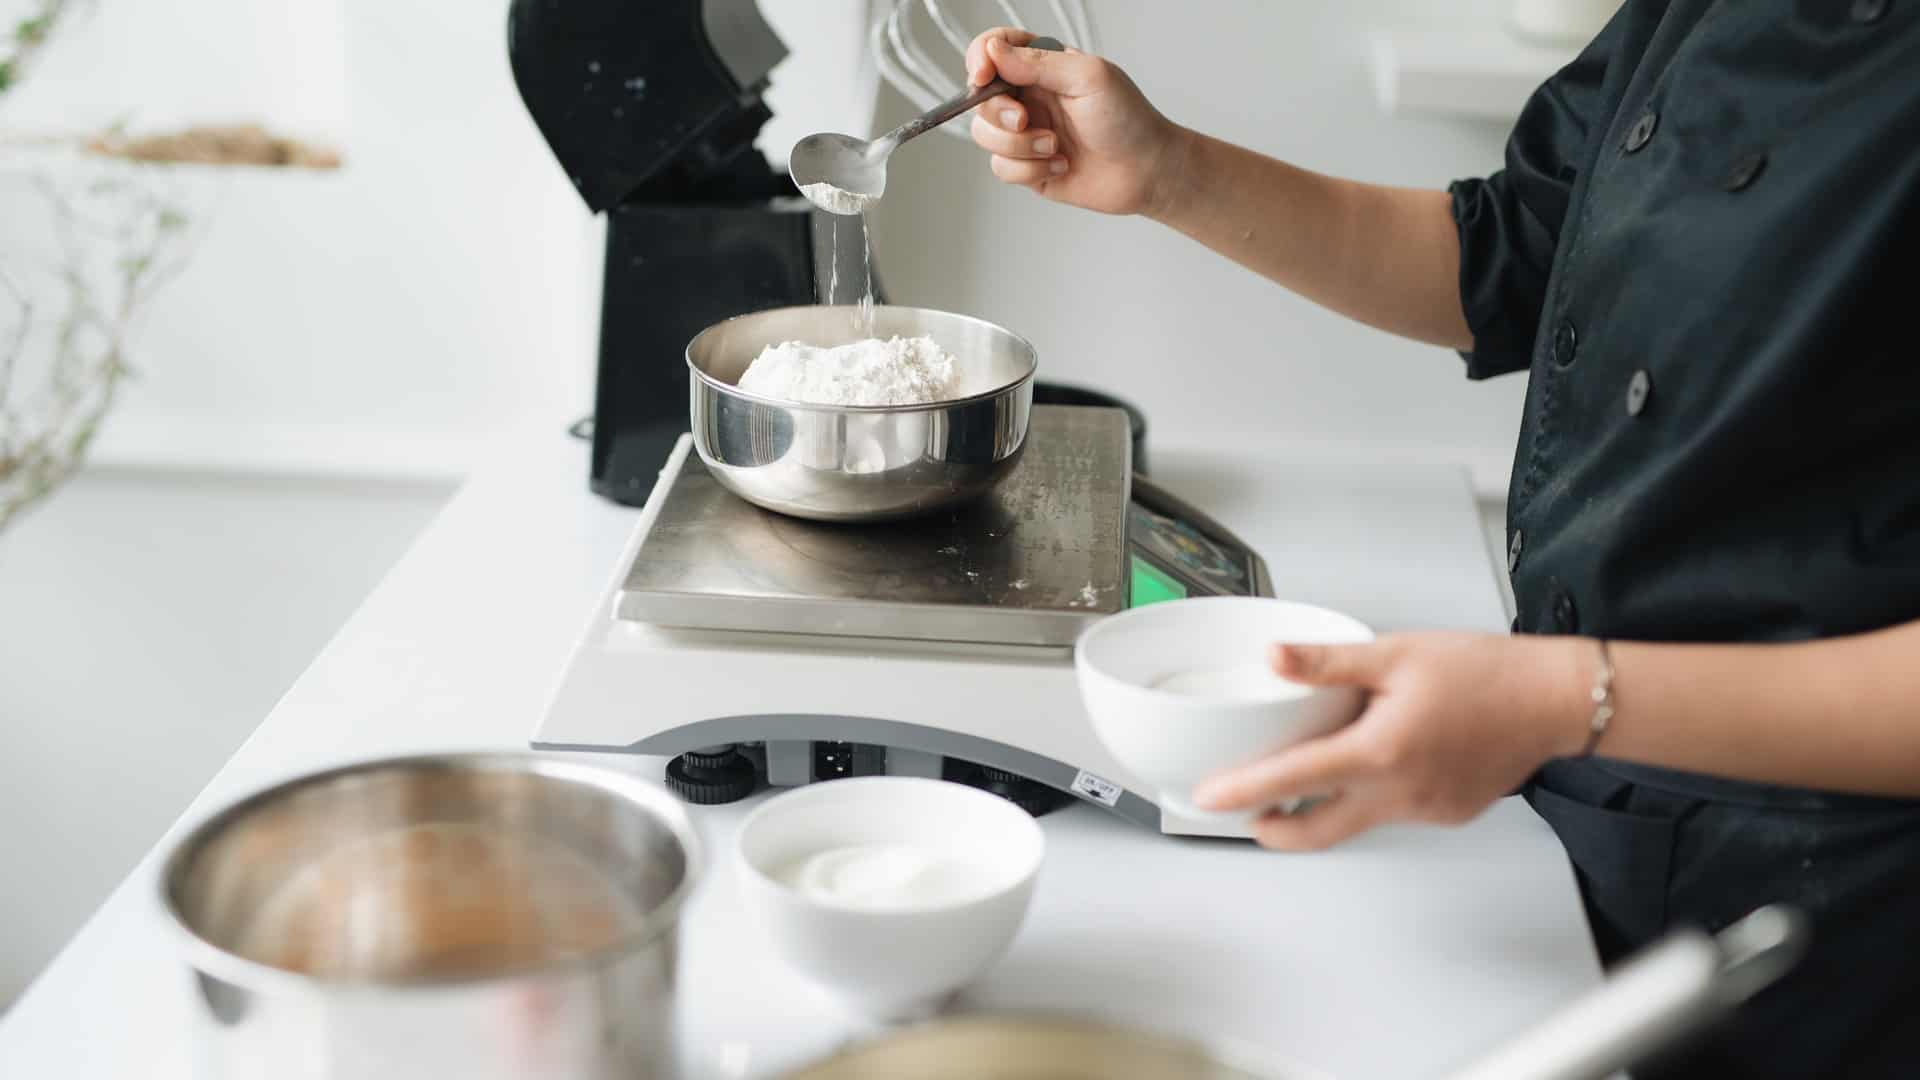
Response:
column 1172, row 560
column 1151, row 585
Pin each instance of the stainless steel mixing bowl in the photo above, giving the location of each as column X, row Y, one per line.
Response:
column 498, row 916
column 859, row 463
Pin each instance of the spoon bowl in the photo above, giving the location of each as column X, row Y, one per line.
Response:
column 838, row 173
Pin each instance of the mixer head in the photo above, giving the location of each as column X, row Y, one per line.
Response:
column 649, row 101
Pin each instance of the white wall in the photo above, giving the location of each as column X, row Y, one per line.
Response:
column 1209, row 350
column 389, row 317
column 278, row 62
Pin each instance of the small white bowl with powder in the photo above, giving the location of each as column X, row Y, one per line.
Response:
column 888, row 893
column 1181, row 690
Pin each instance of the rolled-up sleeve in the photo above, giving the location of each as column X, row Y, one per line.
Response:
column 1510, row 222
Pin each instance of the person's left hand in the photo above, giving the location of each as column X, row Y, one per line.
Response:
column 1454, row 721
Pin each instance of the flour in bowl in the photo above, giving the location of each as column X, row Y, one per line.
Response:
column 898, row 371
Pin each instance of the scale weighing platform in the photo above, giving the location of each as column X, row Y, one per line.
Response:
column 753, row 647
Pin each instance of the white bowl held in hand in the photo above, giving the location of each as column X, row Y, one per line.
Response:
column 1180, row 690
column 888, row 892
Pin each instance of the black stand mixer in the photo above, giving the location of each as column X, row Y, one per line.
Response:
column 652, row 109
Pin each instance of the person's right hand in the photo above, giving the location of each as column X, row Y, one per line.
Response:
column 1080, row 133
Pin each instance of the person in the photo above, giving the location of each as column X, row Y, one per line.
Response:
column 1712, row 693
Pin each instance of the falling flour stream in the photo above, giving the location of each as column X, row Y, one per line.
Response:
column 863, row 303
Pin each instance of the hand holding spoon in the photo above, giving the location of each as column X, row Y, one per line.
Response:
column 844, row 175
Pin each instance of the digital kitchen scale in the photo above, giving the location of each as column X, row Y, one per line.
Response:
column 760, row 647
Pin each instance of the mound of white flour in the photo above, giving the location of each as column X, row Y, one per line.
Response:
column 898, row 371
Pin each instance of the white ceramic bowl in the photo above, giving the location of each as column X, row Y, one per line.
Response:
column 1174, row 739
column 903, row 960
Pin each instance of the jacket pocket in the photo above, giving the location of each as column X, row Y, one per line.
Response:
column 1623, row 862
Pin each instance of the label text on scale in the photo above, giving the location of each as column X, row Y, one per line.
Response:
column 1091, row 787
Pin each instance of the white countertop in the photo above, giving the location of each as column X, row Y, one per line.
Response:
column 1389, row 957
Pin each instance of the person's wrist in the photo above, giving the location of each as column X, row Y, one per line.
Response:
column 1566, row 708
column 1169, row 184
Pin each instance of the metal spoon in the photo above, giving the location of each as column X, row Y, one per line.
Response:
column 844, row 175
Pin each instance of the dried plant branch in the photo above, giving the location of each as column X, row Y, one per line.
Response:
column 23, row 41
column 198, row 144
column 115, row 254
column 223, row 144
column 12, row 349
column 122, row 238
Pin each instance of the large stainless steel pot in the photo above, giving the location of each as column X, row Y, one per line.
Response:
column 482, row 916
column 1668, row 992
column 859, row 463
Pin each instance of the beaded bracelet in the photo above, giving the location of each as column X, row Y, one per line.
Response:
column 1602, row 700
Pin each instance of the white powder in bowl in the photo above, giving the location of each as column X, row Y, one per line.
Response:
column 1242, row 682
column 898, row 371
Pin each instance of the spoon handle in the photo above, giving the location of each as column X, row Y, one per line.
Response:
column 949, row 109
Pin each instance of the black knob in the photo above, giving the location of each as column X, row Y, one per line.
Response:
column 712, row 757
column 709, row 779
column 1029, row 795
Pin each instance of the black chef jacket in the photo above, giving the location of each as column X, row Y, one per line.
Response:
column 1702, row 247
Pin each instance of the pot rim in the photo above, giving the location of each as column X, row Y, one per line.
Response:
column 208, row 958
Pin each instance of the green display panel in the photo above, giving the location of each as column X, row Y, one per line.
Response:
column 1151, row 585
